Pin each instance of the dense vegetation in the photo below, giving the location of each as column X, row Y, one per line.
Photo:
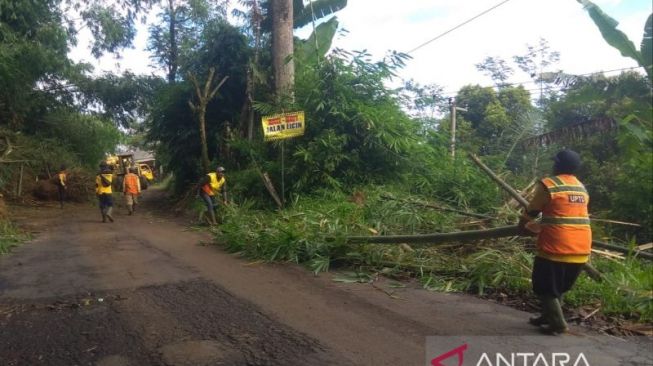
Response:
column 367, row 148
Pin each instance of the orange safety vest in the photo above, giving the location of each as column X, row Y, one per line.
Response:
column 131, row 183
column 565, row 223
column 214, row 184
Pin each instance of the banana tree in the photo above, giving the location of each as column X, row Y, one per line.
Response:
column 618, row 39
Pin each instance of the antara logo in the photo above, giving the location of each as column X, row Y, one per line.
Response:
column 512, row 359
column 458, row 351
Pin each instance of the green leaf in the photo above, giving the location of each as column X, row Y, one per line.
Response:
column 608, row 28
column 646, row 48
column 320, row 9
column 322, row 38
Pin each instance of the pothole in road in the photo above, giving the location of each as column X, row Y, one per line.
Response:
column 115, row 360
column 199, row 353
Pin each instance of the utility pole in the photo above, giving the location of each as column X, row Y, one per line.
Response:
column 452, row 104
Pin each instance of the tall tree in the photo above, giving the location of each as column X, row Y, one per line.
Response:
column 497, row 69
column 282, row 48
column 254, row 18
column 535, row 62
column 204, row 96
column 174, row 37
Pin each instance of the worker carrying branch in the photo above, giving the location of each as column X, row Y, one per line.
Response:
column 61, row 184
column 104, row 191
column 564, row 240
column 211, row 185
column 131, row 188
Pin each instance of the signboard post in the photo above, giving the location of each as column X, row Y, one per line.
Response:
column 281, row 127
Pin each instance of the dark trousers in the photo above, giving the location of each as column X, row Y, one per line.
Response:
column 106, row 201
column 554, row 278
column 62, row 194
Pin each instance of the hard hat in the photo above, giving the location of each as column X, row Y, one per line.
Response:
column 566, row 161
column 219, row 169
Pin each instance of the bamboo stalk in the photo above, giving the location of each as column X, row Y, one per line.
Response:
column 441, row 208
column 438, row 238
column 472, row 235
column 522, row 201
column 20, row 180
column 616, row 222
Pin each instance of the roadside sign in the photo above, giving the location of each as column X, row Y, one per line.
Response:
column 283, row 126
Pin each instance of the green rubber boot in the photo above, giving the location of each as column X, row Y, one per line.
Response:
column 556, row 319
column 542, row 319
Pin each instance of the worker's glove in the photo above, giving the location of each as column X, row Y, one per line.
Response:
column 528, row 227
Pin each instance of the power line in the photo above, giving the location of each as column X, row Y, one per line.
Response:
column 456, row 27
column 523, row 83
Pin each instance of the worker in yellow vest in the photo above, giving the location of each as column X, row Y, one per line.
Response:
column 211, row 185
column 564, row 238
column 131, row 188
column 104, row 191
column 61, row 184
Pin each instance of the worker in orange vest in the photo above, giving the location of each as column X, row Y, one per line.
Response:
column 131, row 188
column 211, row 185
column 564, row 238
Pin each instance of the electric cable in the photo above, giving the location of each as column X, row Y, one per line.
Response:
column 458, row 26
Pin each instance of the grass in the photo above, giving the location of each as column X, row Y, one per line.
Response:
column 10, row 236
column 312, row 232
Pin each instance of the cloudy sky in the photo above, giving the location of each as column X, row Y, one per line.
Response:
column 382, row 25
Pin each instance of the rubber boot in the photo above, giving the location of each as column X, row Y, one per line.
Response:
column 130, row 208
column 556, row 319
column 542, row 319
column 109, row 214
column 104, row 214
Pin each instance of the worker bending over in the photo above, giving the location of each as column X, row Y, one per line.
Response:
column 211, row 185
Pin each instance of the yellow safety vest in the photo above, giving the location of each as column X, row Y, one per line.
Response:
column 214, row 184
column 62, row 179
column 101, row 189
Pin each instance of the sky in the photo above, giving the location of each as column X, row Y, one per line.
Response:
column 382, row 25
